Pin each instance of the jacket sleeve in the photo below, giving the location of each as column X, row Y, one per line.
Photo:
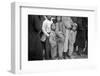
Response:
column 36, row 23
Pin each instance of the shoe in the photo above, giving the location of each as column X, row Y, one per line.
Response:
column 64, row 55
column 68, row 56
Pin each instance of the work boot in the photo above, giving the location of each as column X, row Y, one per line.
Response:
column 68, row 56
column 64, row 55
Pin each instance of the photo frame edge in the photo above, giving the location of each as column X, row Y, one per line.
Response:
column 15, row 34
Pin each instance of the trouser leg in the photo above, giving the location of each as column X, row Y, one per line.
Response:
column 47, row 49
column 71, row 47
column 65, row 48
column 54, row 52
column 66, row 41
column 66, row 45
column 43, row 48
column 60, row 50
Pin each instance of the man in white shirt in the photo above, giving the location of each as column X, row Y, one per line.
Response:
column 46, row 28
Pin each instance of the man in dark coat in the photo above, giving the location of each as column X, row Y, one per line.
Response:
column 34, row 44
column 81, row 34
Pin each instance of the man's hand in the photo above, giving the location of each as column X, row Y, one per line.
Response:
column 47, row 35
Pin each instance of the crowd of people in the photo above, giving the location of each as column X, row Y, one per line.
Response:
column 58, row 38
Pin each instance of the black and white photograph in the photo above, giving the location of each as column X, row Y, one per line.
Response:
column 46, row 38
column 53, row 37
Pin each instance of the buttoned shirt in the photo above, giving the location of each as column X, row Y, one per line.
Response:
column 46, row 27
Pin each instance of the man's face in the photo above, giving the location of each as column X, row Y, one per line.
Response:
column 53, row 27
column 74, row 28
column 49, row 17
column 58, row 18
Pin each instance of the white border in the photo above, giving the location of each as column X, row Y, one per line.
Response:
column 20, row 65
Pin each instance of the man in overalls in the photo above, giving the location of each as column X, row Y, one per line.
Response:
column 60, row 28
column 67, row 21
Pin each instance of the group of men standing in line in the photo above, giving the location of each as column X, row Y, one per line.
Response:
column 59, row 35
column 54, row 37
